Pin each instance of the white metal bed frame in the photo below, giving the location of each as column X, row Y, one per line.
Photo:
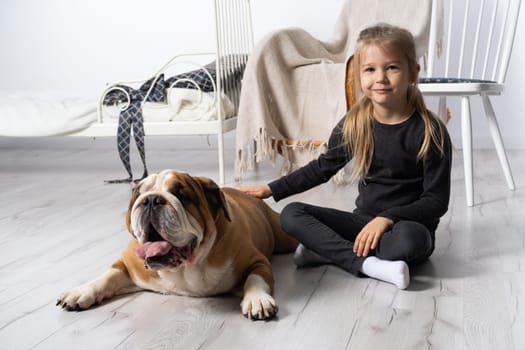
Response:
column 234, row 41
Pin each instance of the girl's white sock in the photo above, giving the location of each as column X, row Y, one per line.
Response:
column 395, row 272
column 306, row 257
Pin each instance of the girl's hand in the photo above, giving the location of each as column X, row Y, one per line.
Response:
column 257, row 191
column 369, row 236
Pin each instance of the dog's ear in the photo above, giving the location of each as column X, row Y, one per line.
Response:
column 215, row 197
column 134, row 195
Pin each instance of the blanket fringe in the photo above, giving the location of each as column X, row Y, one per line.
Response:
column 294, row 153
column 262, row 147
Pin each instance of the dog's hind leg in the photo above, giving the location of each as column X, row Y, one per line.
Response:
column 284, row 243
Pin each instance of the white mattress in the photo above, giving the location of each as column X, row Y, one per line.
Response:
column 32, row 114
column 44, row 114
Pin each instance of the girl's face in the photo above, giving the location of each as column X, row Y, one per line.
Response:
column 385, row 78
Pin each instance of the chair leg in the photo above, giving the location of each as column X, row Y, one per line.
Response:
column 466, row 135
column 442, row 108
column 498, row 141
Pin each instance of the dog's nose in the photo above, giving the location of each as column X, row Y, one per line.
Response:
column 153, row 201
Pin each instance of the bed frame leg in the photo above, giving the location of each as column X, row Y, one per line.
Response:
column 220, row 140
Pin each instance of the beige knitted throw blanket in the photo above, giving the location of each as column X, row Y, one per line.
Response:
column 293, row 90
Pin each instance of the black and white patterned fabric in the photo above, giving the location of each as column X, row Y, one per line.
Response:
column 199, row 76
column 131, row 120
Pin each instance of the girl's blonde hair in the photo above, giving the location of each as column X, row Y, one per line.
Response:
column 358, row 125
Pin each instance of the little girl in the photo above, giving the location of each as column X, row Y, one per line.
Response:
column 401, row 157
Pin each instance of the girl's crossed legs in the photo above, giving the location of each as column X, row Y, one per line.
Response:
column 331, row 233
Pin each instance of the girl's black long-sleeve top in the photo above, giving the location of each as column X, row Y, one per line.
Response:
column 397, row 185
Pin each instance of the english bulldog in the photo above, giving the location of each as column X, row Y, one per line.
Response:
column 192, row 238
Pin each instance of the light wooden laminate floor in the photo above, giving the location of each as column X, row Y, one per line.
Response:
column 62, row 226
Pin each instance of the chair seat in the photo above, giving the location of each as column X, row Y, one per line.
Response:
column 452, row 80
column 459, row 86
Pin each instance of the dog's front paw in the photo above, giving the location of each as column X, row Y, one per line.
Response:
column 78, row 299
column 258, row 305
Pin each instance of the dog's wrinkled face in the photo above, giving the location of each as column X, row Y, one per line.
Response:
column 172, row 215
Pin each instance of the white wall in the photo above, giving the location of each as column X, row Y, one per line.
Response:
column 77, row 46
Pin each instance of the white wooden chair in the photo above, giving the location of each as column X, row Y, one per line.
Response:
column 478, row 42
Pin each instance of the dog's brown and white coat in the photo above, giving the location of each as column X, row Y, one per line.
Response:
column 193, row 238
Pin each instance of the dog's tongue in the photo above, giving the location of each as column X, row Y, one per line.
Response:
column 151, row 249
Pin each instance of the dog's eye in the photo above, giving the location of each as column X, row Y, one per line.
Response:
column 179, row 192
column 183, row 199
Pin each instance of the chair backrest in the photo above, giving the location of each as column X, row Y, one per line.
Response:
column 477, row 38
column 234, row 40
